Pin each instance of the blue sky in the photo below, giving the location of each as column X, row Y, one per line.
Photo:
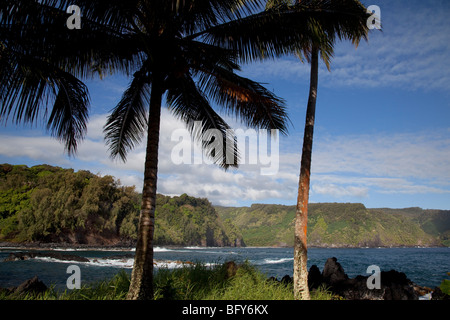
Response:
column 382, row 135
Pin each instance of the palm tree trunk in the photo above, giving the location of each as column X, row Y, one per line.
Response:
column 301, row 290
column 141, row 286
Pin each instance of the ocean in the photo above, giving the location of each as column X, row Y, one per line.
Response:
column 424, row 266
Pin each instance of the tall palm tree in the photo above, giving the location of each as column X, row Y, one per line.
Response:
column 342, row 19
column 162, row 43
column 179, row 63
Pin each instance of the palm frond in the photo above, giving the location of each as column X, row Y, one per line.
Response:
column 40, row 59
column 203, row 57
column 69, row 116
column 283, row 29
column 29, row 85
column 23, row 87
column 215, row 68
column 344, row 19
column 248, row 100
column 202, row 14
column 126, row 125
column 190, row 105
column 38, row 29
column 265, row 36
column 110, row 14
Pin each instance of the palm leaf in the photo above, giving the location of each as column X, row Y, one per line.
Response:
column 256, row 106
column 40, row 59
column 68, row 120
column 248, row 100
column 190, row 105
column 126, row 125
column 27, row 87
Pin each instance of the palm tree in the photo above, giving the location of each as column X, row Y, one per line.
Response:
column 179, row 63
column 344, row 19
column 166, row 46
column 190, row 51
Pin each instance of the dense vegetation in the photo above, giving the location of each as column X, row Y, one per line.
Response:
column 186, row 220
column 45, row 203
column 341, row 225
column 191, row 282
column 51, row 204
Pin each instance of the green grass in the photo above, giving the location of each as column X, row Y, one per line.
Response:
column 445, row 286
column 191, row 282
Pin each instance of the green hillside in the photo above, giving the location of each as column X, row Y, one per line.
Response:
column 341, row 225
column 187, row 220
column 51, row 204
column 433, row 222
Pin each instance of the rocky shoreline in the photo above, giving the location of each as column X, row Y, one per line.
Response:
column 17, row 256
column 394, row 285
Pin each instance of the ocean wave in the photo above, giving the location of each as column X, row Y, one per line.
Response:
column 128, row 262
column 125, row 263
column 95, row 249
column 275, row 261
column 201, row 248
column 162, row 249
column 186, row 249
column 49, row 259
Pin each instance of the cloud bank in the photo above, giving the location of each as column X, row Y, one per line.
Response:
column 343, row 167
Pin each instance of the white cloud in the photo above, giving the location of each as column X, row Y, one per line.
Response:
column 340, row 191
column 33, row 147
column 388, row 164
column 342, row 166
column 420, row 155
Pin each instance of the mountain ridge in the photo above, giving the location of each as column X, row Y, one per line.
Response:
column 342, row 225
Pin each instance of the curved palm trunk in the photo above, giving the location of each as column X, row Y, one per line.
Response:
column 141, row 286
column 301, row 290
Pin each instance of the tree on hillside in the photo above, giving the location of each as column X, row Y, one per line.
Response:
column 342, row 19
